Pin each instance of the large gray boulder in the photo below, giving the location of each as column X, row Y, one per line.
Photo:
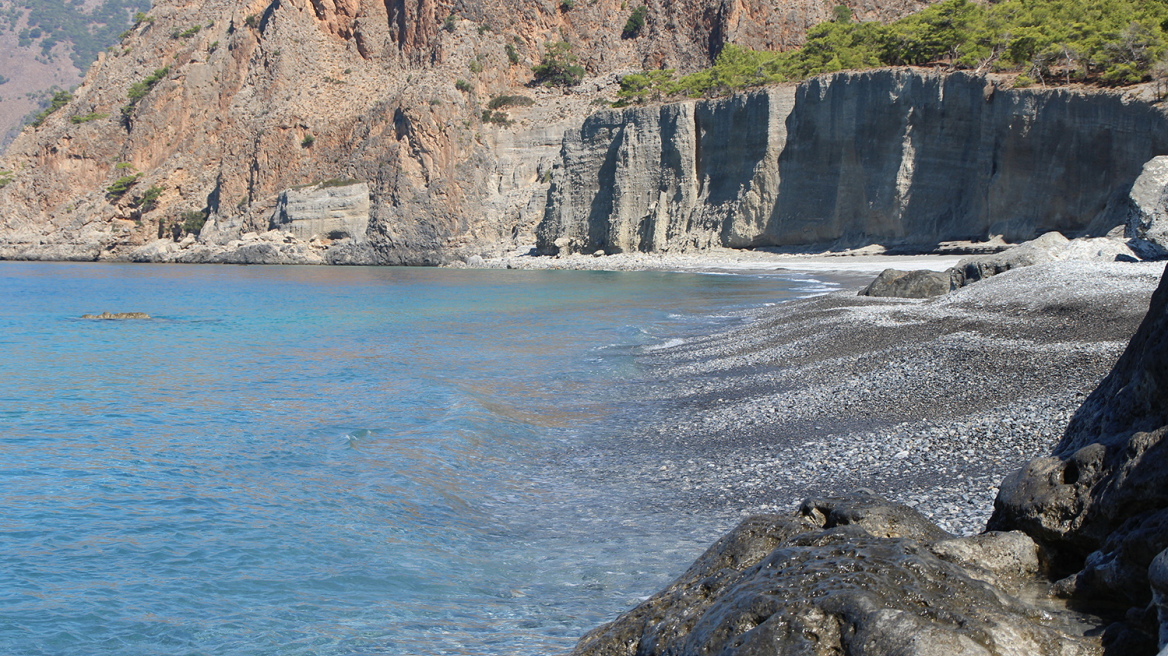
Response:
column 855, row 575
column 1147, row 219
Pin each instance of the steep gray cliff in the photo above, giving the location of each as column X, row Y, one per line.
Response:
column 896, row 157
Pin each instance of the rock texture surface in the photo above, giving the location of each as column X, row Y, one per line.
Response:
column 1147, row 219
column 1050, row 247
column 337, row 211
column 908, row 284
column 853, row 575
column 1099, row 504
column 264, row 97
column 895, row 157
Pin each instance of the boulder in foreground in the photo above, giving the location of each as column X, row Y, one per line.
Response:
column 852, row 575
column 1099, row 503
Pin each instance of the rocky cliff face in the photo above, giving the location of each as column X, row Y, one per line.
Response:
column 255, row 97
column 895, row 157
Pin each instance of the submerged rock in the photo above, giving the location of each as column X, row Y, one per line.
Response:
column 117, row 315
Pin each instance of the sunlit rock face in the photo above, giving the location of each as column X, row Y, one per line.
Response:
column 329, row 211
column 893, row 157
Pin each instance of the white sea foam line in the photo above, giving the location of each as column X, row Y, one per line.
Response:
column 666, row 344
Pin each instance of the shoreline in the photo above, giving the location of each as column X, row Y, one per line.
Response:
column 863, row 262
column 929, row 403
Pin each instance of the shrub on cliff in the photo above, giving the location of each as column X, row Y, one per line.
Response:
column 498, row 118
column 558, row 66
column 60, row 99
column 635, row 23
column 86, row 118
column 192, row 221
column 735, row 68
column 499, row 102
column 121, row 186
column 138, row 90
column 149, row 200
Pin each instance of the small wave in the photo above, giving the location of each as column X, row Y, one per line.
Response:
column 669, row 343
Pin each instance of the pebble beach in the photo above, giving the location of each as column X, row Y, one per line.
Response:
column 927, row 402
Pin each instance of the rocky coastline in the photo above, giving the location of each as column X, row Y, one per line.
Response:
column 861, row 435
column 905, row 159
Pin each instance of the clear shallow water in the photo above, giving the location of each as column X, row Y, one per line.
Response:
column 316, row 460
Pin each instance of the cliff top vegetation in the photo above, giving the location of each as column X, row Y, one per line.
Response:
column 1104, row 42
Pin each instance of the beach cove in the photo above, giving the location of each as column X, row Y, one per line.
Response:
column 718, row 404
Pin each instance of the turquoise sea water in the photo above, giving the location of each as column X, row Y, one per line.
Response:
column 309, row 460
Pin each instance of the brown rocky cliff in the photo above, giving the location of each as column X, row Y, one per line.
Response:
column 267, row 96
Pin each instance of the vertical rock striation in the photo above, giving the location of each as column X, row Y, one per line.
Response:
column 683, row 175
column 897, row 157
column 336, row 211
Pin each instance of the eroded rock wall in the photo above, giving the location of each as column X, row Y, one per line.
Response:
column 256, row 97
column 896, row 157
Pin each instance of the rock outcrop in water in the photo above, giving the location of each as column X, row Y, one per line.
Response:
column 116, row 315
column 895, row 157
column 861, row 576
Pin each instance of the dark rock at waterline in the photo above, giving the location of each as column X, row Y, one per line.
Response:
column 852, row 575
column 892, row 283
column 117, row 315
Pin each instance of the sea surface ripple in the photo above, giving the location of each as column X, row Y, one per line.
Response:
column 312, row 460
